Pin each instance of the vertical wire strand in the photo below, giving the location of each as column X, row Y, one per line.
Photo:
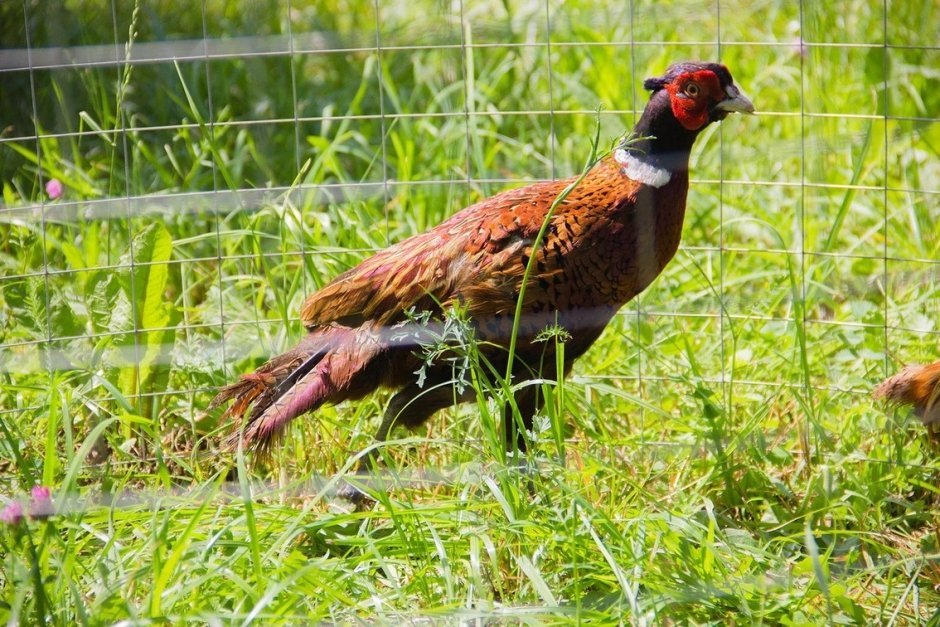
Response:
column 215, row 190
column 551, row 89
column 118, row 80
column 382, row 121
column 885, row 68
column 122, row 65
column 886, row 103
column 293, row 84
column 633, row 63
column 42, row 186
column 723, row 322
column 802, row 312
column 467, row 96
column 293, row 91
column 638, row 321
column 296, row 209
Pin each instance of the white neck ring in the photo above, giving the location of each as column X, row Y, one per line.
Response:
column 640, row 171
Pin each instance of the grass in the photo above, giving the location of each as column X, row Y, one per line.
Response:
column 715, row 458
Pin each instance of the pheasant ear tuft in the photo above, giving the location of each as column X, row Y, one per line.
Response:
column 654, row 84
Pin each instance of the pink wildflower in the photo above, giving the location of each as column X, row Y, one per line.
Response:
column 41, row 504
column 54, row 188
column 12, row 514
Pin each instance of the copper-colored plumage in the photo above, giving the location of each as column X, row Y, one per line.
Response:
column 917, row 386
column 605, row 243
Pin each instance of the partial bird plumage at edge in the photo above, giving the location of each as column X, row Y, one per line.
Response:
column 919, row 387
column 606, row 242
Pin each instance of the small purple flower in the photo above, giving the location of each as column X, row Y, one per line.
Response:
column 41, row 504
column 54, row 188
column 12, row 514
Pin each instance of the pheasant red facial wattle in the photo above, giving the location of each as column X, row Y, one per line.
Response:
column 690, row 96
column 610, row 238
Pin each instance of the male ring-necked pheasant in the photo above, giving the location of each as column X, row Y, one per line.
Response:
column 606, row 242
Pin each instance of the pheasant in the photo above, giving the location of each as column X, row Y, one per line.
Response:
column 918, row 386
column 612, row 234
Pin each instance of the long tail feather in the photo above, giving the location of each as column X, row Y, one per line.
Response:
column 307, row 394
column 318, row 370
column 261, row 387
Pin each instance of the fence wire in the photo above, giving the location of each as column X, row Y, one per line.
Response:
column 59, row 86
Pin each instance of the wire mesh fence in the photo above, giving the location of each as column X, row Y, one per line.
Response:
column 217, row 166
column 177, row 180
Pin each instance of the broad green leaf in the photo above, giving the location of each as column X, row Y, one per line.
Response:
column 145, row 287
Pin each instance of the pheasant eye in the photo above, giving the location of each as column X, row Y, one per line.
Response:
column 692, row 90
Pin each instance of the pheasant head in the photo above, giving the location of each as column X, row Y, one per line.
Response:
column 683, row 101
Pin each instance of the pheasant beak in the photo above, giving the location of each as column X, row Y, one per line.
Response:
column 736, row 102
